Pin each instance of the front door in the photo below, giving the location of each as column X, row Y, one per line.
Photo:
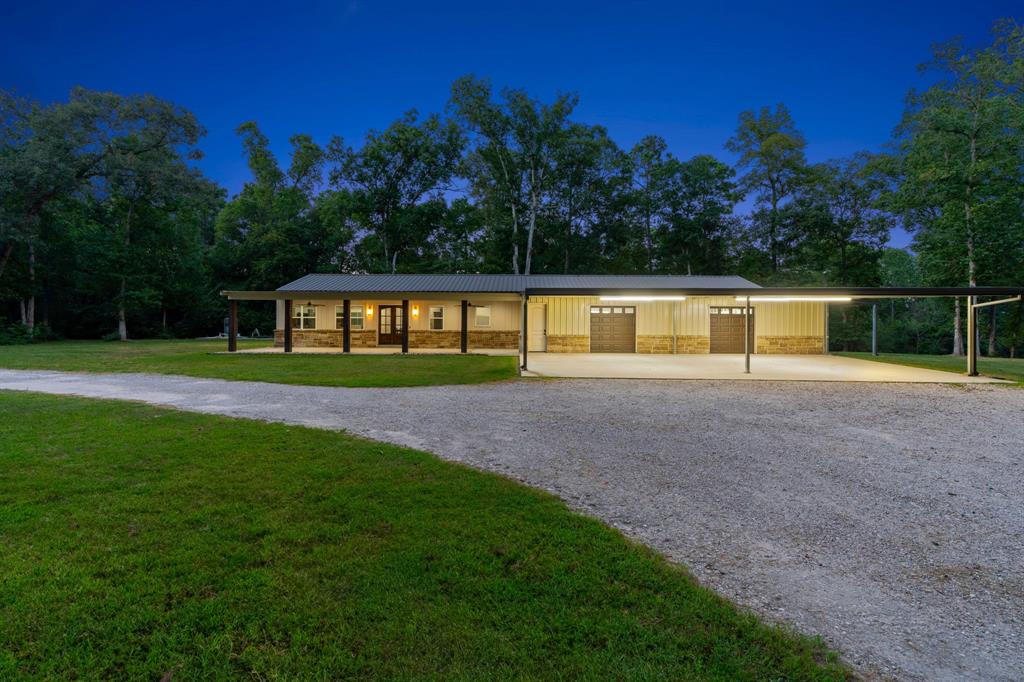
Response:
column 391, row 323
column 538, row 324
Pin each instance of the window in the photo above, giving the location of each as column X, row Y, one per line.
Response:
column 355, row 316
column 304, row 317
column 436, row 318
column 482, row 316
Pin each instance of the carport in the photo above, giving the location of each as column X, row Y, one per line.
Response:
column 738, row 335
column 731, row 367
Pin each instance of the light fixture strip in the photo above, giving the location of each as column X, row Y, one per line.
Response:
column 643, row 298
column 795, row 299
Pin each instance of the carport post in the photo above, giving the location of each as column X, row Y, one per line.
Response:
column 874, row 329
column 972, row 331
column 523, row 342
column 746, row 338
column 287, row 326
column 232, row 326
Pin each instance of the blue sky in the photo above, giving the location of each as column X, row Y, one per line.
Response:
column 324, row 68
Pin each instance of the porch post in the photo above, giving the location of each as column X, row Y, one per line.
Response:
column 523, row 331
column 232, row 326
column 746, row 338
column 874, row 329
column 972, row 330
column 464, row 334
column 346, row 326
column 287, row 326
column 405, row 325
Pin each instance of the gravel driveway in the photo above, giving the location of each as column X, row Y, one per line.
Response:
column 888, row 518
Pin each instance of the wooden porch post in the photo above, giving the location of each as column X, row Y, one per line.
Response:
column 232, row 326
column 287, row 326
column 464, row 334
column 405, row 325
column 346, row 327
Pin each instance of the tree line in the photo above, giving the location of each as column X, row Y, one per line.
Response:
column 107, row 225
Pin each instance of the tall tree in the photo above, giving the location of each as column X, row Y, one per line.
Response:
column 400, row 176
column 48, row 153
column 960, row 147
column 771, row 151
column 515, row 146
column 277, row 229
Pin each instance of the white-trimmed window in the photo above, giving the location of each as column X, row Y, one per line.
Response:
column 355, row 316
column 436, row 318
column 482, row 316
column 304, row 317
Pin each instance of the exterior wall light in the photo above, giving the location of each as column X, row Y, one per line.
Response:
column 795, row 299
column 369, row 311
column 643, row 298
column 415, row 311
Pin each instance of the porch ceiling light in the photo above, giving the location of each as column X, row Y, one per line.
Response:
column 794, row 299
column 643, row 298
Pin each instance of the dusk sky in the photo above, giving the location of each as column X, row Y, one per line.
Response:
column 340, row 68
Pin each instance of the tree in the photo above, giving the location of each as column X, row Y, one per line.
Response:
column 960, row 146
column 278, row 228
column 771, row 150
column 699, row 223
column 399, row 177
column 50, row 153
column 515, row 144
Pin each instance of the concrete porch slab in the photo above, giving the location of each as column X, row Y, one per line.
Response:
column 762, row 368
column 386, row 350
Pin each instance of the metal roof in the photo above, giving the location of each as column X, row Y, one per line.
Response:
column 512, row 284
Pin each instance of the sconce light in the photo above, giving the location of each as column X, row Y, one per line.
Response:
column 369, row 311
column 415, row 311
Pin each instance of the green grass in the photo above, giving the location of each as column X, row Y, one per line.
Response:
column 139, row 541
column 201, row 359
column 1000, row 368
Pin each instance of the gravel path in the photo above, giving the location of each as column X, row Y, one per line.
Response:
column 888, row 518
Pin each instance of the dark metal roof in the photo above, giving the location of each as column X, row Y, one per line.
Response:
column 510, row 284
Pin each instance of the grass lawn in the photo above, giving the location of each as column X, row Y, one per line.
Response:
column 199, row 359
column 1000, row 368
column 139, row 541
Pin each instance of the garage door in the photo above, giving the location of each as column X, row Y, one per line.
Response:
column 727, row 330
column 612, row 329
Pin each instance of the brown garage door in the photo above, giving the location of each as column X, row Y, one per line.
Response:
column 727, row 330
column 612, row 329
